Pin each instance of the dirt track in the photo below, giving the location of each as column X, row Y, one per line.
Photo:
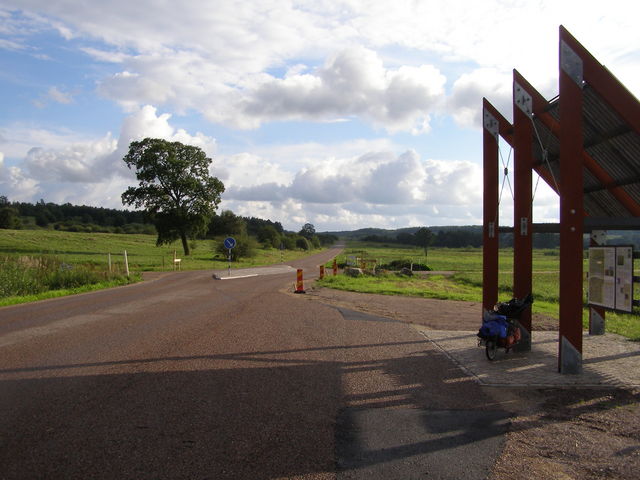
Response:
column 435, row 314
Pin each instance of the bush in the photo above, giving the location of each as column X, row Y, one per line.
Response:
column 404, row 263
column 269, row 236
column 289, row 242
column 68, row 276
column 303, row 243
column 246, row 247
column 9, row 218
column 32, row 275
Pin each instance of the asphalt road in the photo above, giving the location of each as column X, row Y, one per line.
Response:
column 189, row 377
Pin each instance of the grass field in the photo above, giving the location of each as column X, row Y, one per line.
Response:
column 24, row 253
column 142, row 253
column 463, row 279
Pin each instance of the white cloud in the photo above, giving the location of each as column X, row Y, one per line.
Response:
column 17, row 139
column 243, row 65
column 105, row 56
column 464, row 104
column 15, row 185
column 214, row 61
column 59, row 96
column 353, row 82
column 62, row 168
column 376, row 188
column 80, row 162
column 249, row 169
column 10, row 45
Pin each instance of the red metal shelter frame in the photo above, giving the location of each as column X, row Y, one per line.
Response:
column 577, row 69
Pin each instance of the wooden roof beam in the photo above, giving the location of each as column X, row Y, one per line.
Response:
column 540, row 107
column 598, row 77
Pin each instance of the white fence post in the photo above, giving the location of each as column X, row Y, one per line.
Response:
column 126, row 263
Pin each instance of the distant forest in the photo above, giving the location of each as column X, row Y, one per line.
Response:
column 74, row 218
column 465, row 236
column 85, row 219
column 469, row 236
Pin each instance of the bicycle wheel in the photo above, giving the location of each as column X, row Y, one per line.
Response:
column 492, row 348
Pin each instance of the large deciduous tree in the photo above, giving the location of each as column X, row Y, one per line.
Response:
column 175, row 188
column 308, row 231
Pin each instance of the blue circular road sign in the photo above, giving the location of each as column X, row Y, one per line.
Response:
column 229, row 242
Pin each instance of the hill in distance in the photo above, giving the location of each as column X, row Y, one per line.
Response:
column 391, row 234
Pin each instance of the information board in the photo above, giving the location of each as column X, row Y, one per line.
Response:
column 624, row 279
column 611, row 277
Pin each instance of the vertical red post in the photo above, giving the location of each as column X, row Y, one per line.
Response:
column 335, row 267
column 490, row 243
column 522, row 208
column 571, row 209
column 597, row 314
column 321, row 272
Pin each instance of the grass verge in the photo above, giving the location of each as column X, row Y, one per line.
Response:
column 15, row 300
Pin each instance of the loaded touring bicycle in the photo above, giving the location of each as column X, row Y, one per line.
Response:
column 500, row 327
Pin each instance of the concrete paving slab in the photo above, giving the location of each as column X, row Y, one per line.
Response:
column 608, row 360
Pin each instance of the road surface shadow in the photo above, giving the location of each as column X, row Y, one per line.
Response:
column 212, row 424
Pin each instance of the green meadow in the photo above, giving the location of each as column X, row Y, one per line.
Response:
column 37, row 264
column 461, row 279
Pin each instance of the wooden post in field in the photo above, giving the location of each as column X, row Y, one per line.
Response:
column 109, row 256
column 126, row 264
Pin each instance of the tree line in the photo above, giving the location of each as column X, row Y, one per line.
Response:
column 471, row 236
column 68, row 217
column 456, row 237
column 86, row 219
column 452, row 237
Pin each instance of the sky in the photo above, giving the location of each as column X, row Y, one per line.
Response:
column 341, row 113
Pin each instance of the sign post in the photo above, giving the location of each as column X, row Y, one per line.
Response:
column 229, row 243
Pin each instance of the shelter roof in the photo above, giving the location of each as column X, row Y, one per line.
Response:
column 611, row 140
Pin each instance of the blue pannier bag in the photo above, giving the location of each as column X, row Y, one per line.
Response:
column 493, row 325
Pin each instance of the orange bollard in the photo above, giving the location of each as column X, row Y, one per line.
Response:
column 321, row 272
column 299, row 284
column 335, row 267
